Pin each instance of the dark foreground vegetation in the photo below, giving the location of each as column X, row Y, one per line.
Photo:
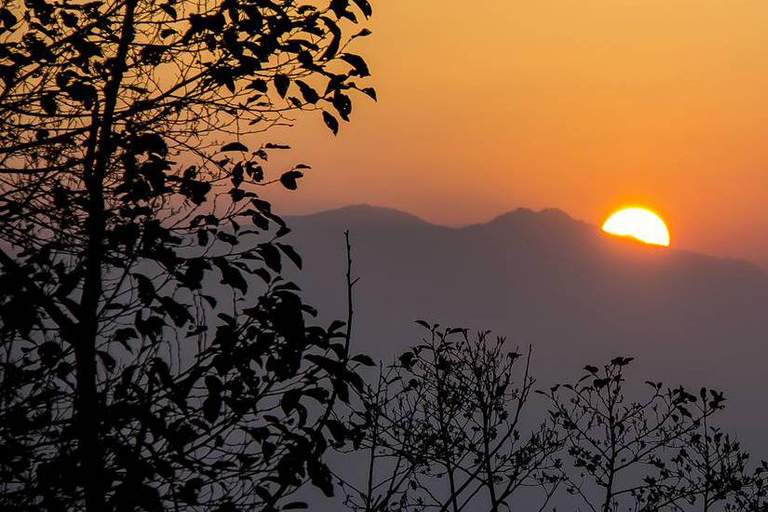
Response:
column 453, row 425
column 152, row 356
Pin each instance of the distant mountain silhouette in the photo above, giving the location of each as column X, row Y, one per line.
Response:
column 543, row 278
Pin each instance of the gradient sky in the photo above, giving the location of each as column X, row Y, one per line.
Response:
column 583, row 105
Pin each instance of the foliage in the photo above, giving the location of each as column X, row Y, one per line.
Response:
column 152, row 355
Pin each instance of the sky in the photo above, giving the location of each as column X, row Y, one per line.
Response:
column 582, row 105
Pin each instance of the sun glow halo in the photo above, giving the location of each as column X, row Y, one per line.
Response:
column 639, row 223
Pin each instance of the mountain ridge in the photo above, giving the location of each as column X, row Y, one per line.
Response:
column 521, row 216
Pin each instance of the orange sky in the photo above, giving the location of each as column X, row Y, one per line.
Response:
column 584, row 105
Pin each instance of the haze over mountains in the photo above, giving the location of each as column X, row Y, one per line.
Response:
column 543, row 278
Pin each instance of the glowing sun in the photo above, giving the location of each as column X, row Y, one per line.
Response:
column 638, row 223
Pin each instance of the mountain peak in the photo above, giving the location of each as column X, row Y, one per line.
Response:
column 548, row 222
column 366, row 213
column 527, row 214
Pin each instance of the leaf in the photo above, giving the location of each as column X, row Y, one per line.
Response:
column 337, row 429
column 319, row 394
column 258, row 85
column 49, row 352
column 341, row 389
column 289, row 251
column 213, row 384
column 363, row 33
column 230, row 275
column 357, row 62
column 8, row 19
column 152, row 53
column 333, row 47
column 107, row 360
column 212, row 407
column 290, row 400
column 48, row 102
column 331, row 122
column 268, row 449
column 271, row 256
column 233, row 146
column 259, row 220
column 150, row 328
column 407, row 360
column 364, row 360
column 281, row 84
column 365, row 7
column 343, row 105
column 124, row 335
column 169, row 10
column 263, row 274
column 149, row 143
column 310, row 95
column 288, row 179
column 190, row 490
column 145, row 288
column 226, row 237
column 320, row 476
column 179, row 313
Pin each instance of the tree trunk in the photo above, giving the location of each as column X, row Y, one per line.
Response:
column 87, row 404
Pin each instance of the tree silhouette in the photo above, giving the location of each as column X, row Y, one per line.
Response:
column 152, row 356
column 443, row 428
column 657, row 453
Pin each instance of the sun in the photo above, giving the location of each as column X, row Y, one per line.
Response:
column 639, row 223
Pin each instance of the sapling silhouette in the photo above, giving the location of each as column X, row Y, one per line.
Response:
column 657, row 453
column 443, row 429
